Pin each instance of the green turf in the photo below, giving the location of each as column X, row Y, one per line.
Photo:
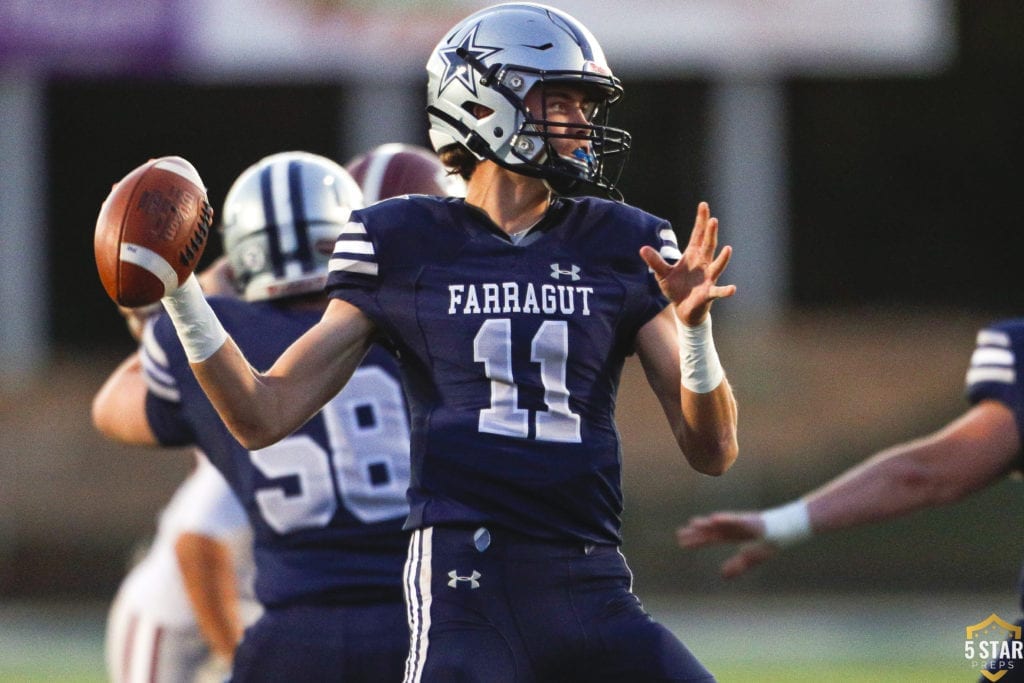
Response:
column 773, row 639
column 858, row 672
column 867, row 672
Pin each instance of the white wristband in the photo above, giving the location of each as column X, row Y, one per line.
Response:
column 787, row 524
column 698, row 359
column 198, row 327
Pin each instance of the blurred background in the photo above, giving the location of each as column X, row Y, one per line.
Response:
column 864, row 159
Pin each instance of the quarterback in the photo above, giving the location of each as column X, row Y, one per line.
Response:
column 513, row 572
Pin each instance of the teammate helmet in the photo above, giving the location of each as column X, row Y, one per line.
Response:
column 280, row 221
column 396, row 168
column 494, row 58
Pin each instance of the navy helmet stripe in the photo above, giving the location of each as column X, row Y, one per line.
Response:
column 303, row 251
column 580, row 39
column 270, row 219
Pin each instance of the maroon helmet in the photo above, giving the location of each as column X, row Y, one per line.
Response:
column 396, row 168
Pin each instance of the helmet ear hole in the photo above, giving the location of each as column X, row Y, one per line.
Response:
column 477, row 110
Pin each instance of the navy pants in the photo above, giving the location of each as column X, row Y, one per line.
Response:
column 313, row 644
column 490, row 606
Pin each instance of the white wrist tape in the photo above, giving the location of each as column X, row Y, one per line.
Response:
column 787, row 524
column 698, row 359
column 198, row 327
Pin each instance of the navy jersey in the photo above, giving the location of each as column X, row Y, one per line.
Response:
column 511, row 353
column 326, row 503
column 995, row 371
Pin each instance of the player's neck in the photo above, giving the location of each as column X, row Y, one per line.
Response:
column 513, row 201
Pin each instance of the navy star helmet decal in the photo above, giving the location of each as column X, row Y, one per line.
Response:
column 456, row 68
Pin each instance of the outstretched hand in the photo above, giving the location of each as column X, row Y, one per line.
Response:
column 730, row 527
column 692, row 283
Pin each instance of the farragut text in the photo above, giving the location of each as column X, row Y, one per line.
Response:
column 511, row 297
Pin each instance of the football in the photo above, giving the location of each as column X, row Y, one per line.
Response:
column 395, row 169
column 151, row 231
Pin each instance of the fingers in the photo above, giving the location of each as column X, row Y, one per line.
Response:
column 749, row 556
column 655, row 262
column 719, row 527
column 700, row 224
column 721, row 292
column 715, row 270
column 717, row 266
column 695, row 534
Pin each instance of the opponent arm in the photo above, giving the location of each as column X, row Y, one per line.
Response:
column 119, row 407
column 208, row 573
column 969, row 454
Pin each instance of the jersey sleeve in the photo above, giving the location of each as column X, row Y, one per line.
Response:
column 995, row 372
column 353, row 269
column 662, row 237
column 163, row 396
column 668, row 244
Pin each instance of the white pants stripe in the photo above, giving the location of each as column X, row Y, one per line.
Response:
column 417, row 600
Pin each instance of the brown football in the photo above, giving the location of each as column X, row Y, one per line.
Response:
column 151, row 231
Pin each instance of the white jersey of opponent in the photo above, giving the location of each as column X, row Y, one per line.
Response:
column 152, row 634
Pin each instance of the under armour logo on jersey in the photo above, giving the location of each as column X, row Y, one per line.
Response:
column 472, row 579
column 573, row 272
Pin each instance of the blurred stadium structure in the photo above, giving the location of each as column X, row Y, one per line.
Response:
column 374, row 52
column 863, row 156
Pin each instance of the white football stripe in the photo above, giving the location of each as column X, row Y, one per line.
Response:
column 151, row 261
column 1002, row 375
column 182, row 168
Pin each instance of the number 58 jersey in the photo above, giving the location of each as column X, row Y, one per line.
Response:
column 326, row 503
column 511, row 353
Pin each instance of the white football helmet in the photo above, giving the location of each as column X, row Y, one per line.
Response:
column 494, row 58
column 280, row 220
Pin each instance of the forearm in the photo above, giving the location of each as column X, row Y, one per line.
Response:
column 968, row 455
column 892, row 483
column 242, row 397
column 260, row 408
column 119, row 407
column 693, row 391
column 707, row 431
column 209, row 578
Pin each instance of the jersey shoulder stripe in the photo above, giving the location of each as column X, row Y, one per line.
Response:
column 155, row 367
column 993, row 359
column 669, row 245
column 353, row 251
